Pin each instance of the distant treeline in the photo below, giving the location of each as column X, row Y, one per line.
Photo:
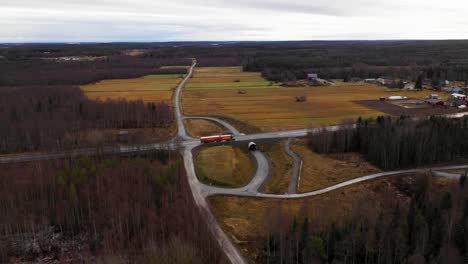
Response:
column 49, row 72
column 123, row 210
column 419, row 222
column 45, row 118
column 284, row 61
column 393, row 143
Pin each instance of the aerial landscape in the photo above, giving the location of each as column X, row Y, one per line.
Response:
column 212, row 132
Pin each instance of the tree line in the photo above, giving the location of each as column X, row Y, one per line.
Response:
column 52, row 117
column 125, row 210
column 38, row 71
column 393, row 143
column 429, row 226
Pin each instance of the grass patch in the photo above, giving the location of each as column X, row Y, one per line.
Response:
column 199, row 127
column 320, row 171
column 224, row 166
column 281, row 163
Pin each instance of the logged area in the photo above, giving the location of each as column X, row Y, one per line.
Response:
column 228, row 91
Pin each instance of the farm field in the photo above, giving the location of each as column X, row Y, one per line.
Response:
column 150, row 88
column 199, row 127
column 271, row 107
column 224, row 166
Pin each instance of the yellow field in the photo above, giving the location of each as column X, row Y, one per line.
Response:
column 200, row 128
column 320, row 171
column 272, row 107
column 150, row 88
column 223, row 166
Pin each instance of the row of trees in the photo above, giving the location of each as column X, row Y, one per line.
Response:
column 430, row 226
column 138, row 210
column 46, row 118
column 392, row 143
column 48, row 72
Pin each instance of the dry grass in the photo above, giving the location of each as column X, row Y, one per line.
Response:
column 151, row 88
column 320, row 171
column 200, row 128
column 281, row 163
column 273, row 108
column 249, row 219
column 225, row 166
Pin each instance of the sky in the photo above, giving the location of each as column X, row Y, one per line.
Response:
column 230, row 20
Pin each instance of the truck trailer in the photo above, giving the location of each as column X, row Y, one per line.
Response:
column 217, row 138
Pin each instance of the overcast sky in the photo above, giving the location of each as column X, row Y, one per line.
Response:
column 196, row 20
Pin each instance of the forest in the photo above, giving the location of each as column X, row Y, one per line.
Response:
column 392, row 143
column 52, row 117
column 286, row 61
column 49, row 72
column 102, row 210
column 430, row 225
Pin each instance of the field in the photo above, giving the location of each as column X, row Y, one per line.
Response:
column 271, row 107
column 150, row 88
column 320, row 171
column 224, row 166
column 200, row 128
column 281, row 164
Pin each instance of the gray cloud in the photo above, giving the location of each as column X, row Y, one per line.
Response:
column 158, row 20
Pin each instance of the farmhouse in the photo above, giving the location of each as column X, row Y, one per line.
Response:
column 409, row 86
column 434, row 102
column 312, row 76
column 455, row 89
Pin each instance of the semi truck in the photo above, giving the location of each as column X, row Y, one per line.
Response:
column 217, row 138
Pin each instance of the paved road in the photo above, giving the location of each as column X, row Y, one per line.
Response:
column 296, row 168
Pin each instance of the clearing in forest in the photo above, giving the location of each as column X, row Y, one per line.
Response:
column 247, row 97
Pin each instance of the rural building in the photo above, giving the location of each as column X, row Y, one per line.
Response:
column 123, row 136
column 456, row 89
column 370, row 80
column 384, row 80
column 312, row 76
column 434, row 102
column 458, row 96
column 409, row 86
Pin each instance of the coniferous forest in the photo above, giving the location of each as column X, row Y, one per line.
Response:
column 393, row 143
column 428, row 225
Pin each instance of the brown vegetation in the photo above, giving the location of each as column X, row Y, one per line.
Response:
column 46, row 118
column 90, row 210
